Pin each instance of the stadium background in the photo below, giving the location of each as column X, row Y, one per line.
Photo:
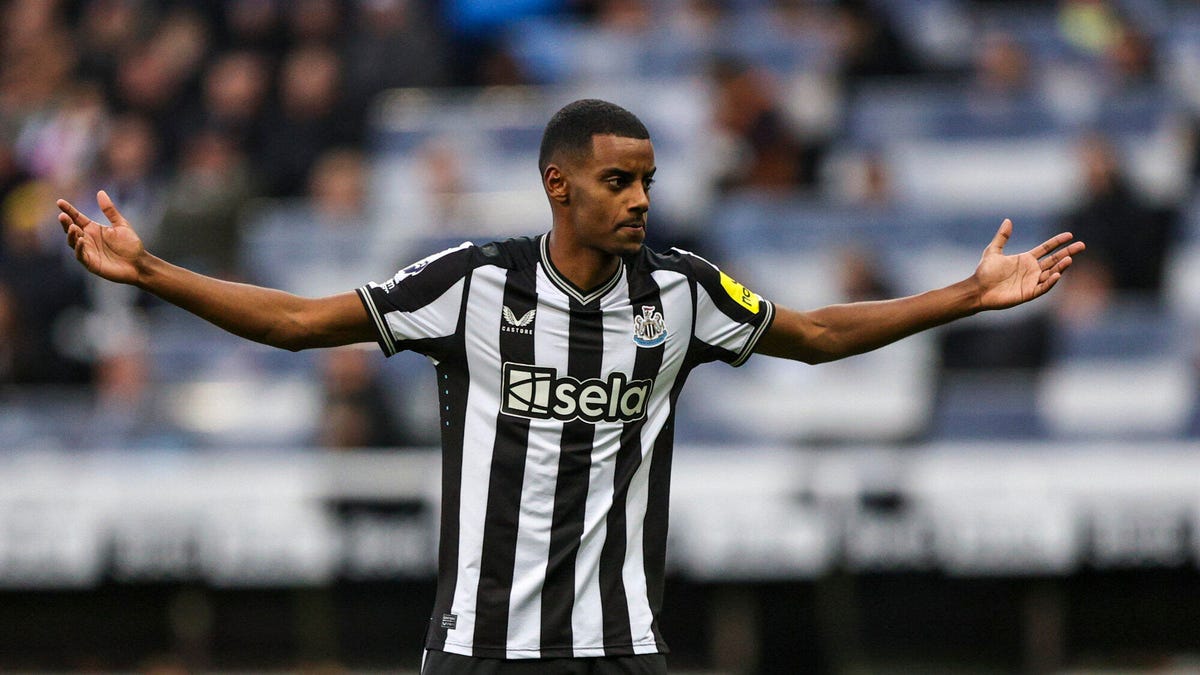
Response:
column 1019, row 492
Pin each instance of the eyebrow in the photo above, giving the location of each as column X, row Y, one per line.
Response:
column 614, row 171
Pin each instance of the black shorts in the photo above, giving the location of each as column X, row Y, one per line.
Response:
column 444, row 663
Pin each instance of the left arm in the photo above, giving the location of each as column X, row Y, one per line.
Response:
column 1000, row 281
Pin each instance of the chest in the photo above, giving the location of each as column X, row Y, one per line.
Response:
column 537, row 323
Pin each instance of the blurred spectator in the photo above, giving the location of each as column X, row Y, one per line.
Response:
column 158, row 78
column 1001, row 68
column 1130, row 60
column 145, row 86
column 33, row 73
column 444, row 185
column 15, row 346
column 868, row 46
column 394, row 43
column 125, row 408
column 761, row 148
column 112, row 29
column 695, row 24
column 1023, row 342
column 129, row 169
column 1087, row 293
column 310, row 119
column 314, row 22
column 252, row 24
column 357, row 411
column 499, row 67
column 1124, row 234
column 236, row 85
column 1091, row 26
column 12, row 173
column 23, row 23
column 1003, row 93
column 861, row 277
column 43, row 291
column 61, row 143
column 320, row 244
column 182, row 41
column 862, row 178
column 623, row 16
column 337, row 187
column 204, row 203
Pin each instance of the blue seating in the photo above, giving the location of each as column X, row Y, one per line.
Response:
column 987, row 405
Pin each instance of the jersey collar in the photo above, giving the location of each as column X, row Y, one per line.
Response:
column 566, row 286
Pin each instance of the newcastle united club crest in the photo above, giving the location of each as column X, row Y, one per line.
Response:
column 649, row 329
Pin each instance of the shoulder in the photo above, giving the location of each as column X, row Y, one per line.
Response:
column 673, row 260
column 680, row 261
column 509, row 253
column 460, row 260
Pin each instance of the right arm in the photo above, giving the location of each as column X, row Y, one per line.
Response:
column 264, row 315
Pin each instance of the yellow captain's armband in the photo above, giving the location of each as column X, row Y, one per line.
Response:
column 740, row 294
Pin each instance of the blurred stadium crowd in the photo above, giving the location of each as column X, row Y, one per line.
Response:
column 819, row 150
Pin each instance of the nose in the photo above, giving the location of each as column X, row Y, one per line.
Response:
column 641, row 200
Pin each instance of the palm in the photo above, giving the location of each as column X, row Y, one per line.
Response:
column 109, row 252
column 1007, row 280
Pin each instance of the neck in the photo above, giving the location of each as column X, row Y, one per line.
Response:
column 585, row 267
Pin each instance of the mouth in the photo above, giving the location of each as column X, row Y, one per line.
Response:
column 633, row 224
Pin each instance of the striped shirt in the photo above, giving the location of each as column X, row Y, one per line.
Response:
column 557, row 408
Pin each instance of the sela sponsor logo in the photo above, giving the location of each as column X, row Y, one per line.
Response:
column 514, row 324
column 649, row 329
column 536, row 392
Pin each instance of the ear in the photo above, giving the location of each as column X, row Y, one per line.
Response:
column 555, row 182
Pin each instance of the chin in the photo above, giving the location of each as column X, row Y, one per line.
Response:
column 629, row 248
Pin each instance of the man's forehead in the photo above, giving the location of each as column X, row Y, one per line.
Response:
column 622, row 150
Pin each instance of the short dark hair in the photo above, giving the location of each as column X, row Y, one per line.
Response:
column 571, row 129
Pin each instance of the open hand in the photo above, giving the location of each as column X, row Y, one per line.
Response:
column 1007, row 280
column 113, row 253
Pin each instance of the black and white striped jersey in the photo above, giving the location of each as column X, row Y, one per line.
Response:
column 557, row 409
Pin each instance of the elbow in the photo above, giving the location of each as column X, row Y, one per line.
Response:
column 817, row 358
column 289, row 335
column 289, row 343
column 296, row 342
column 807, row 354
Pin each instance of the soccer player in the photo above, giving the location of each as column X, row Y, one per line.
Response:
column 559, row 360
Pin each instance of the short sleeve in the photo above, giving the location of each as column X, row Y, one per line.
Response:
column 422, row 302
column 730, row 318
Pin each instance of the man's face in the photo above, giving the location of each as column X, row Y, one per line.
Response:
column 610, row 194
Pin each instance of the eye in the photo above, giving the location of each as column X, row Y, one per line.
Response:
column 647, row 184
column 618, row 182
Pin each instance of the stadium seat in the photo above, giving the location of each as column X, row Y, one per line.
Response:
column 1127, row 373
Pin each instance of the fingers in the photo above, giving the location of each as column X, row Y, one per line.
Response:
column 1052, row 243
column 70, row 214
column 74, row 233
column 110, row 210
column 1002, row 236
column 1055, row 260
column 80, row 249
column 1051, row 274
column 77, row 241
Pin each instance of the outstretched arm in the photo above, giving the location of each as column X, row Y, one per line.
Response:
column 1000, row 281
column 264, row 315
